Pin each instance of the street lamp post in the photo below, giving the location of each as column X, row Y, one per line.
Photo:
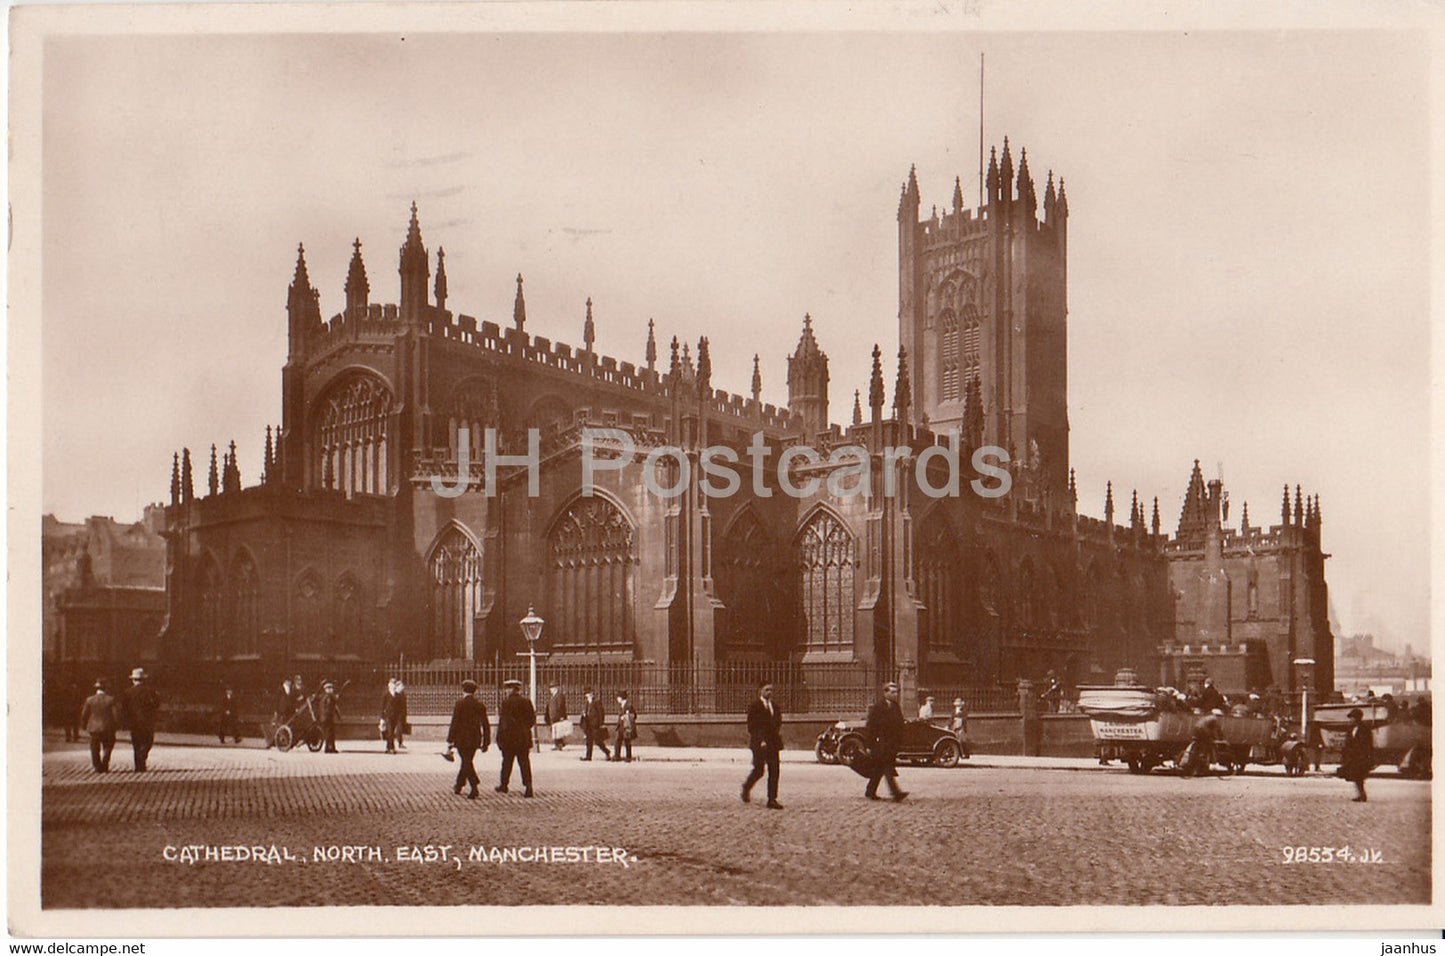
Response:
column 531, row 630
column 1306, row 669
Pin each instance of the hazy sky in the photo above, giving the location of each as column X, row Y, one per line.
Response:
column 1249, row 235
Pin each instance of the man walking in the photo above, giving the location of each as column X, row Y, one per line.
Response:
column 516, row 719
column 765, row 738
column 390, row 719
column 227, row 722
column 1357, row 757
column 885, row 727
column 557, row 720
column 594, row 724
column 469, row 731
column 328, row 714
column 626, row 727
column 99, row 715
column 140, row 706
column 400, row 710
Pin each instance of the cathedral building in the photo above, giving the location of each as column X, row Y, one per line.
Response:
column 436, row 475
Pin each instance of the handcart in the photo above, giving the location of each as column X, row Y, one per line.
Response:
column 302, row 726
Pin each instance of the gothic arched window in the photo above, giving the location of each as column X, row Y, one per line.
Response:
column 746, row 584
column 350, row 443
column 826, row 563
column 456, row 595
column 310, row 614
column 473, row 407
column 589, row 577
column 209, row 632
column 948, row 377
column 245, row 616
column 937, row 569
column 348, row 616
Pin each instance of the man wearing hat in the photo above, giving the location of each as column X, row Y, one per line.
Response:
column 1357, row 756
column 594, row 724
column 469, row 731
column 328, row 712
column 516, row 719
column 140, row 706
column 99, row 715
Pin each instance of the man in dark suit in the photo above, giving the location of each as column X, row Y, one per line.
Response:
column 765, row 737
column 469, row 731
column 328, row 714
column 885, row 727
column 100, row 716
column 141, row 705
column 594, row 724
column 516, row 719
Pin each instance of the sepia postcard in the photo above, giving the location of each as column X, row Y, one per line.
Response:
column 533, row 469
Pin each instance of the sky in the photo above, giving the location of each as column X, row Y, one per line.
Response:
column 1249, row 235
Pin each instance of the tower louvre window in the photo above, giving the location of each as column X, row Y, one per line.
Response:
column 948, row 377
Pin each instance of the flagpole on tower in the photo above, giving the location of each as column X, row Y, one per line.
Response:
column 981, row 202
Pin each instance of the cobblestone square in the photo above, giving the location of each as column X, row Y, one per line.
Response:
column 365, row 828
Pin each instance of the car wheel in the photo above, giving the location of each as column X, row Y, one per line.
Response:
column 850, row 748
column 1137, row 765
column 284, row 740
column 946, row 753
column 823, row 755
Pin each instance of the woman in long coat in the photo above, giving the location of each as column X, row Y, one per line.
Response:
column 1357, row 757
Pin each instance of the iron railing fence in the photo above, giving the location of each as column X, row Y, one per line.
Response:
column 842, row 689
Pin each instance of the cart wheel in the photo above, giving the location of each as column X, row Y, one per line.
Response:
column 945, row 753
column 314, row 740
column 284, row 740
column 850, row 748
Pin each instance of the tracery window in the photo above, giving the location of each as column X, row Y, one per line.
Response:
column 310, row 614
column 745, row 584
column 351, row 438
column 827, row 564
column 208, row 630
column 589, row 577
column 348, row 616
column 473, row 407
column 936, row 570
column 245, row 616
column 456, row 595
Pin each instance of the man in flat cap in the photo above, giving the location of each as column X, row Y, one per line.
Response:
column 140, row 706
column 469, row 731
column 516, row 719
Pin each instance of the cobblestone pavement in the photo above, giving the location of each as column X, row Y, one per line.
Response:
column 995, row 834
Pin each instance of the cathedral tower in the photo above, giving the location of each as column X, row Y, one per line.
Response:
column 982, row 295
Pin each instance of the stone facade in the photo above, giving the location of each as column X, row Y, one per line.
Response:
column 363, row 542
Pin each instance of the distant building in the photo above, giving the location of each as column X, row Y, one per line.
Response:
column 103, row 586
column 1360, row 666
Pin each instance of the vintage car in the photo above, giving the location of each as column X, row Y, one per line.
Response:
column 924, row 742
